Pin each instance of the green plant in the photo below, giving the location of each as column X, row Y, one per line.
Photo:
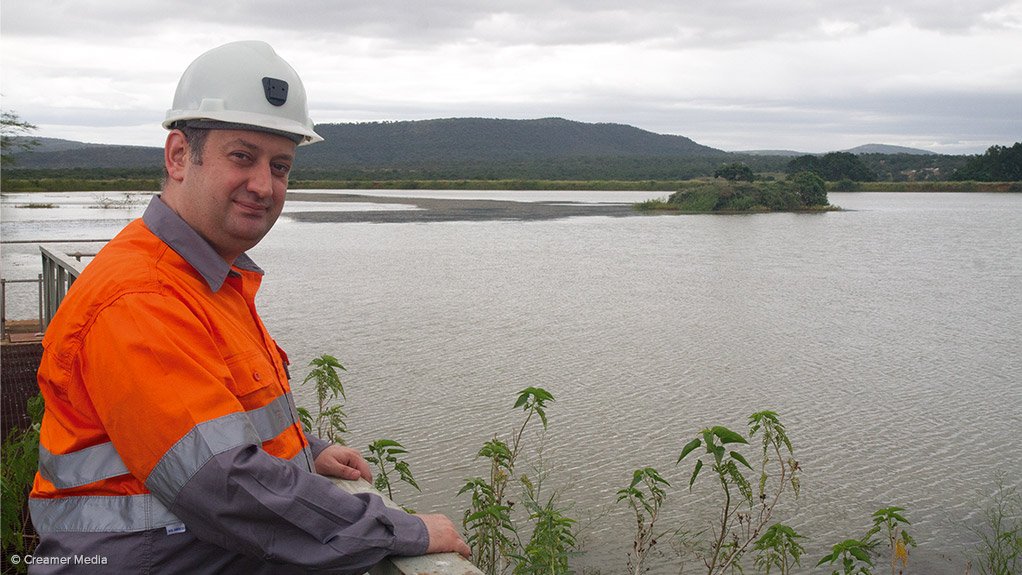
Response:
column 744, row 513
column 854, row 557
column 653, row 205
column 552, row 540
column 488, row 523
column 888, row 520
column 999, row 549
column 810, row 187
column 492, row 533
column 20, row 462
column 735, row 171
column 384, row 454
column 329, row 421
column 14, row 136
column 778, row 547
column 645, row 495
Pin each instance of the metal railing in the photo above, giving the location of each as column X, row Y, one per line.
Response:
column 3, row 301
column 59, row 272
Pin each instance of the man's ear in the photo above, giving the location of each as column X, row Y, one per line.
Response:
column 175, row 155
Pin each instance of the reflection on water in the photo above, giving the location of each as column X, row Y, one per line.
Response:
column 886, row 336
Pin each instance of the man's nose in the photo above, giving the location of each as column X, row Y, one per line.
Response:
column 260, row 181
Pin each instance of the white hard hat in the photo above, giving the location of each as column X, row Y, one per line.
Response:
column 243, row 85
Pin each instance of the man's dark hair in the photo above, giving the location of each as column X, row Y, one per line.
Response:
column 196, row 138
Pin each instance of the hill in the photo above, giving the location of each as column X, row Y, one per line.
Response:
column 481, row 149
column 780, row 153
column 415, row 143
column 55, row 154
column 459, row 140
column 888, row 149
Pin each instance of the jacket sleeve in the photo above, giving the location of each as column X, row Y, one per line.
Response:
column 247, row 500
column 316, row 445
column 160, row 389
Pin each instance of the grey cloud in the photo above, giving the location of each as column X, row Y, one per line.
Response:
column 386, row 32
column 529, row 22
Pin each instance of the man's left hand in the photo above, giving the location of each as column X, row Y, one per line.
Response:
column 343, row 462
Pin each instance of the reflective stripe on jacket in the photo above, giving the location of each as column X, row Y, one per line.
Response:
column 140, row 512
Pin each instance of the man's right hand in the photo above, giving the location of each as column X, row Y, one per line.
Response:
column 443, row 536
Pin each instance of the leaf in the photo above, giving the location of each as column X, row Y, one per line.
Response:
column 538, row 394
column 406, row 474
column 738, row 457
column 637, row 477
column 861, row 554
column 695, row 472
column 689, row 447
column 739, row 480
column 653, row 474
column 471, row 484
column 495, row 449
column 708, row 440
column 787, row 530
column 625, row 493
column 727, row 436
column 542, row 416
column 718, row 453
column 306, row 418
column 762, row 419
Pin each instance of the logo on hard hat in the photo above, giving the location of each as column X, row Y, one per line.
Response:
column 275, row 90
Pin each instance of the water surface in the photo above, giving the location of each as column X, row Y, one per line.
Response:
column 886, row 336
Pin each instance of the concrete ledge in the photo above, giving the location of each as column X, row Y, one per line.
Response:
column 435, row 564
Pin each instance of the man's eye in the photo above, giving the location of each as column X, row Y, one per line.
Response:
column 281, row 168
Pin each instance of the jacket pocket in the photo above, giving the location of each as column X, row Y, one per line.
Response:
column 250, row 373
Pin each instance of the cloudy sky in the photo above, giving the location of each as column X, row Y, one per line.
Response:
column 812, row 76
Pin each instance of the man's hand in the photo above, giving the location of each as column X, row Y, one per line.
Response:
column 343, row 462
column 443, row 537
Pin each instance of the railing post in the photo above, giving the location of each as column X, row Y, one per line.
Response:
column 40, row 289
column 46, row 291
column 3, row 308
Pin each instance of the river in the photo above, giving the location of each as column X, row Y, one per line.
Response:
column 886, row 336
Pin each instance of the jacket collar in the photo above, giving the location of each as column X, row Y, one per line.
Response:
column 176, row 233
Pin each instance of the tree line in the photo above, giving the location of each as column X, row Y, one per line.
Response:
column 484, row 149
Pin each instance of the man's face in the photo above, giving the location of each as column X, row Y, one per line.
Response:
column 236, row 194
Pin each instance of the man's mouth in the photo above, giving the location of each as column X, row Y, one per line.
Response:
column 251, row 207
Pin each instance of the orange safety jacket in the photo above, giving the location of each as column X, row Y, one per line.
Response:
column 168, row 412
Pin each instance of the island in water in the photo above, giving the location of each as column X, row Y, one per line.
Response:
column 804, row 191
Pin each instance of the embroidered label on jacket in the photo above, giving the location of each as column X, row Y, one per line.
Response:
column 176, row 528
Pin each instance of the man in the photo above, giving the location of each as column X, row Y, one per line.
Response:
column 170, row 442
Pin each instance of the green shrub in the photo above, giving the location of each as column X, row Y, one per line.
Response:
column 20, row 461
